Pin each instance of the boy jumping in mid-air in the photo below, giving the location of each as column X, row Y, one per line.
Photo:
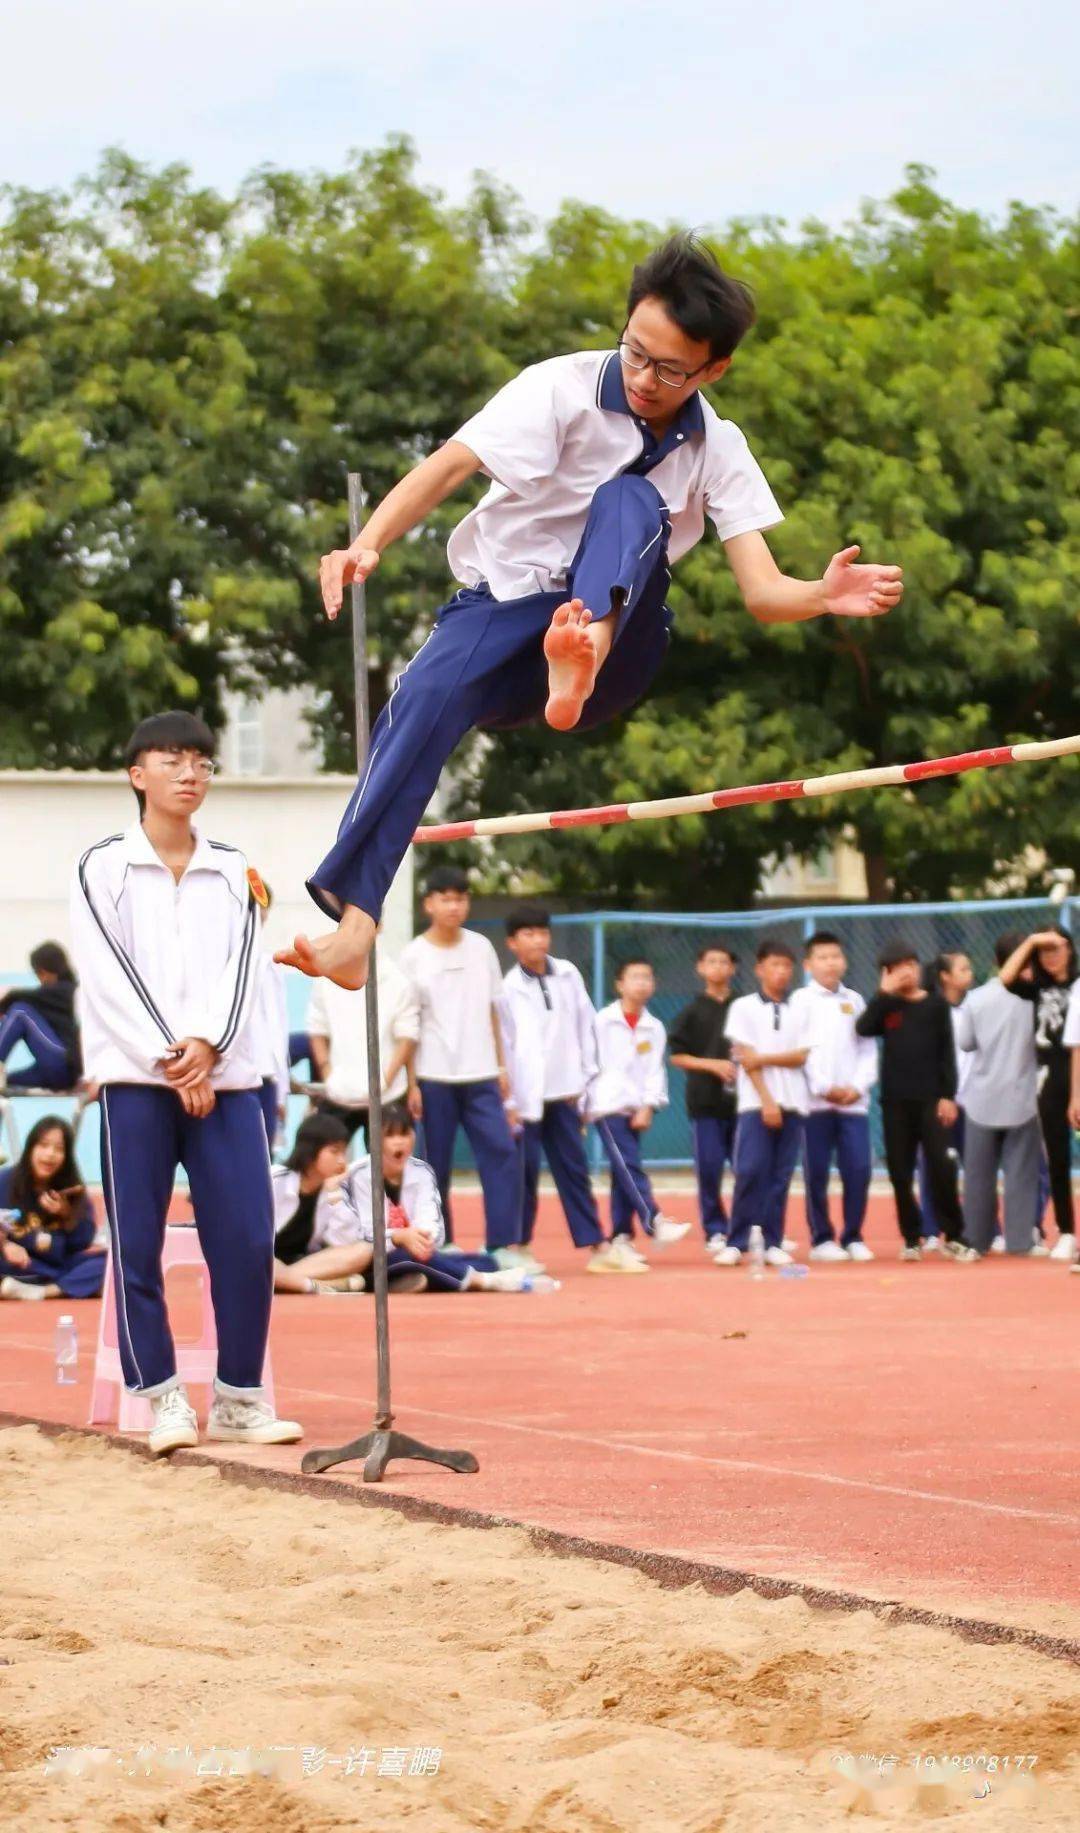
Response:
column 603, row 467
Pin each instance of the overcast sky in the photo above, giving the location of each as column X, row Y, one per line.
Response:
column 694, row 113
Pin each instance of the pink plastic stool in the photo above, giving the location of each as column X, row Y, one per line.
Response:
column 196, row 1363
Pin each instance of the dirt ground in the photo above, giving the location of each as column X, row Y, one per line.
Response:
column 174, row 1621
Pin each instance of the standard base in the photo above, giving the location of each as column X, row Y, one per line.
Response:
column 378, row 1447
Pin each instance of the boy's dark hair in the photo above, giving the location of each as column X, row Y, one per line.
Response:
column 717, row 948
column 1006, row 945
column 50, row 958
column 397, row 1119
column 941, row 965
column 695, row 292
column 445, row 878
column 317, row 1131
column 896, row 951
column 821, row 938
column 771, row 945
column 173, row 731
column 527, row 916
column 631, row 961
column 23, row 1189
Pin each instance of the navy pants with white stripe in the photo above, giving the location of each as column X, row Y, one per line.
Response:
column 714, row 1147
column 557, row 1137
column 21, row 1024
column 145, row 1135
column 631, row 1192
column 478, row 1107
column 765, row 1158
column 848, row 1137
column 483, row 665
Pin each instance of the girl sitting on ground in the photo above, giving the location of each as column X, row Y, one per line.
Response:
column 47, row 1225
column 316, row 1239
column 43, row 1019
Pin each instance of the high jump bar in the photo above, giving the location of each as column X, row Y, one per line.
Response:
column 886, row 776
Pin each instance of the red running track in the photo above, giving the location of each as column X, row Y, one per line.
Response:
column 899, row 1431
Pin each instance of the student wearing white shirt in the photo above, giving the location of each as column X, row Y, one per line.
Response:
column 270, row 1029
column 337, row 1033
column 604, row 466
column 841, row 1069
column 551, row 1051
column 460, row 1068
column 630, row 1088
column 165, row 929
column 769, row 1041
column 1070, row 1039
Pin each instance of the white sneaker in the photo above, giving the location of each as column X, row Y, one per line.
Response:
column 175, row 1425
column 20, row 1288
column 777, row 1257
column 858, row 1250
column 626, row 1256
column 715, row 1244
column 1064, row 1248
column 607, row 1259
column 931, row 1244
column 997, row 1245
column 829, row 1250
column 522, row 1258
column 911, row 1253
column 789, row 1246
column 727, row 1257
column 507, row 1279
column 666, row 1232
column 249, row 1422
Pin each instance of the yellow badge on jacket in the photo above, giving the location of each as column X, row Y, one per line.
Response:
column 847, row 1007
column 258, row 889
column 643, row 1048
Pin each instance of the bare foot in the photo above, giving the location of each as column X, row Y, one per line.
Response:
column 573, row 664
column 341, row 956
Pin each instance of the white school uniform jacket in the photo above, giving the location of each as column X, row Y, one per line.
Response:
column 456, row 989
column 270, row 1025
column 632, row 1071
column 335, row 1224
column 340, row 1015
column 772, row 1028
column 158, row 961
column 420, row 1199
column 838, row 1057
column 549, row 1034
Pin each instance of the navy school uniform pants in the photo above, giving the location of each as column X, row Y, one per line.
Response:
column 631, row 1192
column 443, row 1272
column 713, row 1137
column 82, row 1275
column 483, row 665
column 765, row 1158
column 846, row 1137
column 478, row 1107
column 268, row 1103
column 556, row 1136
column 145, row 1135
column 50, row 1068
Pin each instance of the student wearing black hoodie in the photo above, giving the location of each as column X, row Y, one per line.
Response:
column 42, row 1018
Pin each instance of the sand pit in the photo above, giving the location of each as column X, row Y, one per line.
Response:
column 152, row 1608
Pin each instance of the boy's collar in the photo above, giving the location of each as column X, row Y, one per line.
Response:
column 140, row 851
column 612, row 395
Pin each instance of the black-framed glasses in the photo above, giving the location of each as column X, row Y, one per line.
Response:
column 669, row 373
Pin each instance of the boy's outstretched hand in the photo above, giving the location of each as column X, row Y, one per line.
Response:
column 343, row 568
column 860, row 591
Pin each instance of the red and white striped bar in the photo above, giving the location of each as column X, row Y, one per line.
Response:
column 839, row 784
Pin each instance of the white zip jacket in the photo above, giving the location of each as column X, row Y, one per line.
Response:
column 633, row 1073
column 838, row 1057
column 335, row 1220
column 549, row 1035
column 159, row 961
column 420, row 1199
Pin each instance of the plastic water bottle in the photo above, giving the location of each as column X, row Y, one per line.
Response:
column 67, row 1349
column 755, row 1253
column 540, row 1282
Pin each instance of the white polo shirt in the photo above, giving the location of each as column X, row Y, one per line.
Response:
column 340, row 1016
column 838, row 1057
column 456, row 989
column 632, row 1069
column 549, row 1028
column 772, row 1029
column 1070, row 1037
column 559, row 430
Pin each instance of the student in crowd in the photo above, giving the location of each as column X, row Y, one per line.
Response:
column 698, row 1043
column 841, row 1069
column 460, row 1065
column 165, row 929
column 950, row 974
column 337, row 1029
column 1071, row 1040
column 630, row 1086
column 769, row 1042
column 316, row 1242
column 550, row 1034
column 918, row 1094
column 270, row 1026
column 415, row 1229
column 43, row 1019
column 47, row 1233
column 1001, row 1130
column 1051, row 955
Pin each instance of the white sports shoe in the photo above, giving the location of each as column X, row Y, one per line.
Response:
column 522, row 1258
column 507, row 1279
column 175, row 1426
column 727, row 1257
column 777, row 1257
column 858, row 1250
column 665, row 1232
column 1064, row 1248
column 626, row 1256
column 997, row 1245
column 931, row 1244
column 829, row 1250
column 789, row 1245
column 249, row 1422
column 609, row 1257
